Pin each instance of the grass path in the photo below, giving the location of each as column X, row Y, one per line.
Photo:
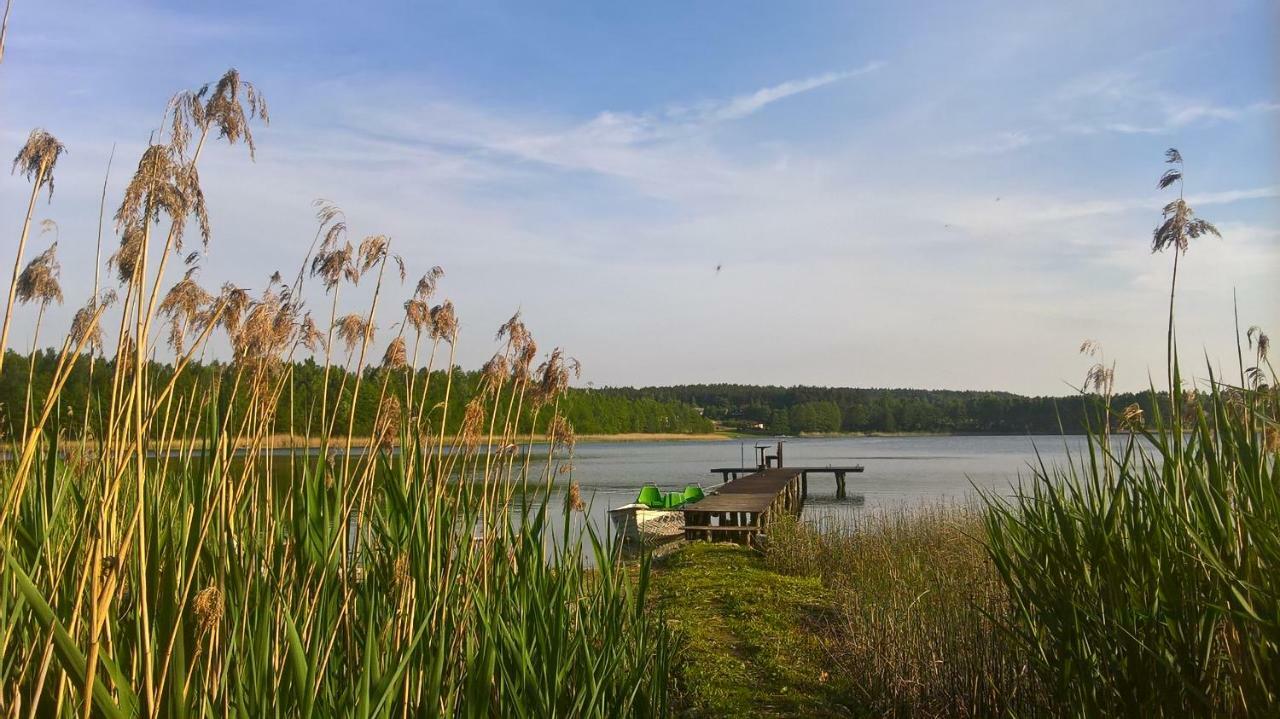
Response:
column 751, row 638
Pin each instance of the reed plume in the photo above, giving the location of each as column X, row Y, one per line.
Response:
column 84, row 327
column 396, row 356
column 574, row 498
column 220, row 105
column 1179, row 226
column 444, row 322
column 123, row 604
column 183, row 305
column 38, row 282
column 352, row 329
column 36, row 161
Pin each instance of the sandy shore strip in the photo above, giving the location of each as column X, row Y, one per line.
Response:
column 289, row 441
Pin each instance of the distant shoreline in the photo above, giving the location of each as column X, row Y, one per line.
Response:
column 287, row 441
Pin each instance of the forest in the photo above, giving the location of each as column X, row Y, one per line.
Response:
column 796, row 410
column 682, row 409
column 588, row 411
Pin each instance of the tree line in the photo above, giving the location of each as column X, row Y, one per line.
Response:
column 681, row 409
column 297, row 410
column 794, row 410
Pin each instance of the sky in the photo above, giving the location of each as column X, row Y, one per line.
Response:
column 933, row 195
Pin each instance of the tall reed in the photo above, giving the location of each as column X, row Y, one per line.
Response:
column 152, row 568
column 1145, row 572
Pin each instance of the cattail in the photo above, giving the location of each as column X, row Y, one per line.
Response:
column 395, row 357
column 39, row 281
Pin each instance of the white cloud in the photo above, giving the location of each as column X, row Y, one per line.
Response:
column 1123, row 102
column 744, row 105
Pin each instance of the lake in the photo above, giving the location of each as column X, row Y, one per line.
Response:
column 900, row 471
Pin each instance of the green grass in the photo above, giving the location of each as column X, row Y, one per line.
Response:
column 750, row 638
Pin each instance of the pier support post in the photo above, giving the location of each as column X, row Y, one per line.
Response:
column 840, row 493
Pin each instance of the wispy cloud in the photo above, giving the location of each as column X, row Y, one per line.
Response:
column 1123, row 102
column 1117, row 102
column 744, row 105
column 666, row 152
column 614, row 129
column 1093, row 208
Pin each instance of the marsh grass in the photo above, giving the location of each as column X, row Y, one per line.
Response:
column 194, row 582
column 918, row 610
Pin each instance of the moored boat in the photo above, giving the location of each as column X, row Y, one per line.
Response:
column 654, row 517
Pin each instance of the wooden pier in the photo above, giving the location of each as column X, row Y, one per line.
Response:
column 729, row 474
column 742, row 508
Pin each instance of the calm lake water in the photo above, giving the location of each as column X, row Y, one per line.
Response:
column 900, row 471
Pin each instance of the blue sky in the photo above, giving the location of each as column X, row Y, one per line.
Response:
column 899, row 194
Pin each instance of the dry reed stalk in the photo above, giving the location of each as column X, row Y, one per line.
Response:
column 4, row 26
column 36, row 160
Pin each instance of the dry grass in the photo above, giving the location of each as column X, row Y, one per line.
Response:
column 919, row 607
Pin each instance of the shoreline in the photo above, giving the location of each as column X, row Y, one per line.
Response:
column 288, row 441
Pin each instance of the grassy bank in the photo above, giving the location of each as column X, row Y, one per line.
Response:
column 897, row 615
column 752, row 639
